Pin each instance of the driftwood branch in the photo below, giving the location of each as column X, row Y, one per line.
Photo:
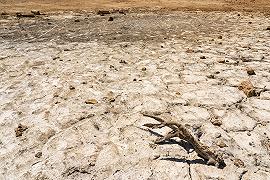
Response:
column 178, row 130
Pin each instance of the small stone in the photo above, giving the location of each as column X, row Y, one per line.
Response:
column 248, row 133
column 102, row 13
column 35, row 12
column 4, row 13
column 123, row 62
column 247, row 87
column 216, row 122
column 110, row 19
column 91, row 101
column 239, row 163
column 77, row 20
column 221, row 61
column 190, row 50
column 153, row 146
column 144, row 69
column 20, row 15
column 266, row 144
column 219, row 37
column 217, row 135
column 250, row 71
column 20, row 129
column 71, row 87
column 122, row 12
column 221, row 144
column 211, row 76
column 110, row 97
column 44, row 137
column 268, row 28
column 202, row 57
column 38, row 155
column 252, row 144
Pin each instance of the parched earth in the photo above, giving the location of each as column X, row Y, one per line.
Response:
column 73, row 88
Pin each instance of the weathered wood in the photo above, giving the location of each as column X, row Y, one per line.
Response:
column 178, row 130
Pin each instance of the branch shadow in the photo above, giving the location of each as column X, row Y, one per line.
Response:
column 186, row 145
column 195, row 161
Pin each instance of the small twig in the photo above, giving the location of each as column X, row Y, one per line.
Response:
column 178, row 130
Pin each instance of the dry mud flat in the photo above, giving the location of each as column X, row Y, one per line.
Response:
column 73, row 87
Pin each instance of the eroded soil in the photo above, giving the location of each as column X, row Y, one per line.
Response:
column 79, row 83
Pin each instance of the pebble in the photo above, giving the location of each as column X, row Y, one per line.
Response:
column 247, row 87
column 216, row 122
column 217, row 135
column 250, row 71
column 38, row 155
column 221, row 144
column 110, row 19
column 239, row 163
column 91, row 101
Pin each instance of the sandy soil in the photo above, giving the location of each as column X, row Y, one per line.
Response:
column 78, row 5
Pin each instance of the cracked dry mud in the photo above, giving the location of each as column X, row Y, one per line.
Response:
column 79, row 83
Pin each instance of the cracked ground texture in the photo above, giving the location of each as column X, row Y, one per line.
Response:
column 78, row 84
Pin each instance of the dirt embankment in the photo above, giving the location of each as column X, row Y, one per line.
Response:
column 78, row 5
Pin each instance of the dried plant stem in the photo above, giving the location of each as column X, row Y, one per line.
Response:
column 178, row 130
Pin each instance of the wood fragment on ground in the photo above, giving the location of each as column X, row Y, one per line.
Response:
column 178, row 130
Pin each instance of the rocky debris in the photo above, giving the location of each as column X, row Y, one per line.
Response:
column 211, row 76
column 220, row 143
column 91, row 101
column 250, row 71
column 266, row 144
column 202, row 57
column 71, row 87
column 122, row 61
column 103, row 12
column 110, row 97
column 247, row 87
column 20, row 129
column 110, row 19
column 38, row 154
column 44, row 137
column 4, row 13
column 221, row 61
column 216, row 121
column 20, row 15
column 190, row 50
column 239, row 163
column 35, row 12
